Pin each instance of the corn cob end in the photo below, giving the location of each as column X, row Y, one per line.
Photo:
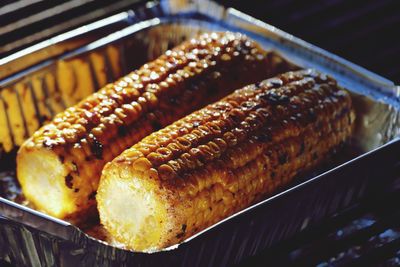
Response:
column 135, row 210
column 34, row 166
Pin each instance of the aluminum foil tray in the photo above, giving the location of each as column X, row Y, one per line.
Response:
column 82, row 62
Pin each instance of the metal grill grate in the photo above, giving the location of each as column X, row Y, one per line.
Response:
column 25, row 22
column 362, row 31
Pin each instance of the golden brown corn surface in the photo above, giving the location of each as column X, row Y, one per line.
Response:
column 222, row 158
column 60, row 166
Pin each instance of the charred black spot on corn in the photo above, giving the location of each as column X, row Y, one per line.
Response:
column 180, row 235
column 92, row 195
column 96, row 147
column 68, row 181
column 275, row 98
column 283, row 158
column 122, row 131
column 44, row 118
column 155, row 124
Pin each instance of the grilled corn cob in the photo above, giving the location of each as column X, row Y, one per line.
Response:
column 218, row 160
column 60, row 166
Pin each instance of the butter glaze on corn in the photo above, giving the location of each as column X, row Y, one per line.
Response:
column 60, row 165
column 220, row 159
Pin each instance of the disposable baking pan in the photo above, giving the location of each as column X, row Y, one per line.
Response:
column 31, row 238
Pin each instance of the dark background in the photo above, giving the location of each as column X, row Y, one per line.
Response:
column 365, row 32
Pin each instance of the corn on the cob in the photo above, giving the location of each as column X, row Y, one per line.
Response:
column 218, row 160
column 60, row 166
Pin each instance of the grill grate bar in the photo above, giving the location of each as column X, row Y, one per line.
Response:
column 14, row 6
column 54, row 11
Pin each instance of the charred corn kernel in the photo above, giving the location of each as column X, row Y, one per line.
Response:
column 121, row 114
column 261, row 137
